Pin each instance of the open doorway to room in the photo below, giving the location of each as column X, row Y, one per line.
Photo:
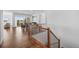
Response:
column 20, row 20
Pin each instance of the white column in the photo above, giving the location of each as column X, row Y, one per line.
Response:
column 13, row 20
column 1, row 26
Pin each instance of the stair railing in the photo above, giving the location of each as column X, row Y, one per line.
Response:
column 48, row 35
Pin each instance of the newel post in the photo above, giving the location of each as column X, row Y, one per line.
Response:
column 49, row 41
column 30, row 32
column 59, row 43
column 39, row 28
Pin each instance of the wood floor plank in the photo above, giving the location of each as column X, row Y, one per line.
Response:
column 16, row 38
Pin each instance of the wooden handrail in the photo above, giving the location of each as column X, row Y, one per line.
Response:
column 54, row 35
column 56, row 38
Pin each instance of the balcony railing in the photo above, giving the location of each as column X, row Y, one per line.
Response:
column 43, row 37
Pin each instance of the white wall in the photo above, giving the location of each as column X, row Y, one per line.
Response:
column 1, row 26
column 43, row 18
column 40, row 18
column 8, row 15
column 66, row 25
column 36, row 18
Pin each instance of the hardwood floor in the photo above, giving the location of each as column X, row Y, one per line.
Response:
column 16, row 38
